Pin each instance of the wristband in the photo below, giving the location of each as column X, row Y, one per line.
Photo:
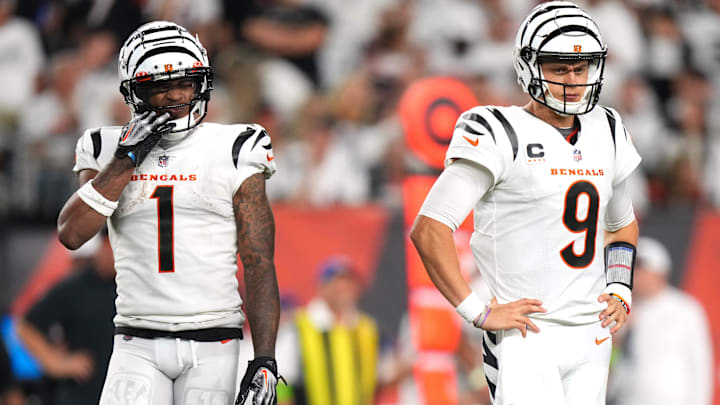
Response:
column 480, row 320
column 621, row 293
column 95, row 200
column 621, row 301
column 470, row 307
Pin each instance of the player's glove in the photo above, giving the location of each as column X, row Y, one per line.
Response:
column 141, row 134
column 258, row 386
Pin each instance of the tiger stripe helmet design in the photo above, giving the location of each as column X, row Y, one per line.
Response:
column 559, row 31
column 160, row 51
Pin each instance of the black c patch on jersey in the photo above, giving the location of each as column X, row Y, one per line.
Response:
column 535, row 150
column 239, row 141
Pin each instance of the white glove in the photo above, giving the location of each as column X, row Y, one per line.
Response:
column 258, row 386
column 141, row 134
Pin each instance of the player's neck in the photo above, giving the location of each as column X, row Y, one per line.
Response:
column 549, row 116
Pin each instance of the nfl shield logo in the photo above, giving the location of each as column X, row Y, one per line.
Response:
column 577, row 155
column 163, row 161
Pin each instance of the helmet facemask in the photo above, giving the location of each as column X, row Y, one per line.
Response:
column 138, row 91
column 161, row 54
column 590, row 89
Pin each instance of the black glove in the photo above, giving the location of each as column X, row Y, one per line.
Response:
column 141, row 134
column 258, row 386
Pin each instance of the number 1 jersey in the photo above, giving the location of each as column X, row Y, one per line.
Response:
column 173, row 234
column 539, row 230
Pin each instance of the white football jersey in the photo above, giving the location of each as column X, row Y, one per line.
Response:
column 174, row 234
column 539, row 231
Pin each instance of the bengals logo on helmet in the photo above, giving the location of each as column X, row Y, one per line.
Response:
column 168, row 67
column 577, row 48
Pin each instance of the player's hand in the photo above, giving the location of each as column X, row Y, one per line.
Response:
column 513, row 315
column 258, row 386
column 77, row 366
column 614, row 312
column 141, row 134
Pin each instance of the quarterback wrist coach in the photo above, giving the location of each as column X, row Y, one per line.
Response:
column 619, row 269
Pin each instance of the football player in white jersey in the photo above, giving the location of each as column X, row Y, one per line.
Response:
column 554, row 229
column 181, row 198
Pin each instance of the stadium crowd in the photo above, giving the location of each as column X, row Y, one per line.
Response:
column 324, row 78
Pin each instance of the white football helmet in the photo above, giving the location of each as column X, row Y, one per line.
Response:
column 159, row 51
column 559, row 31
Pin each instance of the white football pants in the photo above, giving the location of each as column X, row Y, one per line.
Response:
column 561, row 365
column 171, row 371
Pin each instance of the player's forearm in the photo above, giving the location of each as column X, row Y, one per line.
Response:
column 256, row 246
column 262, row 307
column 77, row 221
column 436, row 246
column 627, row 234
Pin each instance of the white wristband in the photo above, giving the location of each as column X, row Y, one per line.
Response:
column 471, row 307
column 620, row 290
column 95, row 200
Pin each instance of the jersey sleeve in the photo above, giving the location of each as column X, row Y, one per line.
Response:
column 87, row 151
column 626, row 156
column 474, row 139
column 252, row 153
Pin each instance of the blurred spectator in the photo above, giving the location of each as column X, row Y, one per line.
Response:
column 70, row 330
column 10, row 393
column 662, row 364
column 21, row 59
column 96, row 93
column 323, row 167
column 353, row 26
column 287, row 29
column 688, row 111
column 625, row 42
column 449, row 32
column 46, row 143
column 667, row 51
column 328, row 355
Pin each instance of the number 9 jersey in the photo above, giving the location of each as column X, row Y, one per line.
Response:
column 539, row 230
column 174, row 233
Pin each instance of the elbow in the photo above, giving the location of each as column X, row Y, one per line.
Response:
column 68, row 238
column 418, row 233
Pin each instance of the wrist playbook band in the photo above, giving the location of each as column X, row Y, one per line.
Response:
column 95, row 200
column 620, row 263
